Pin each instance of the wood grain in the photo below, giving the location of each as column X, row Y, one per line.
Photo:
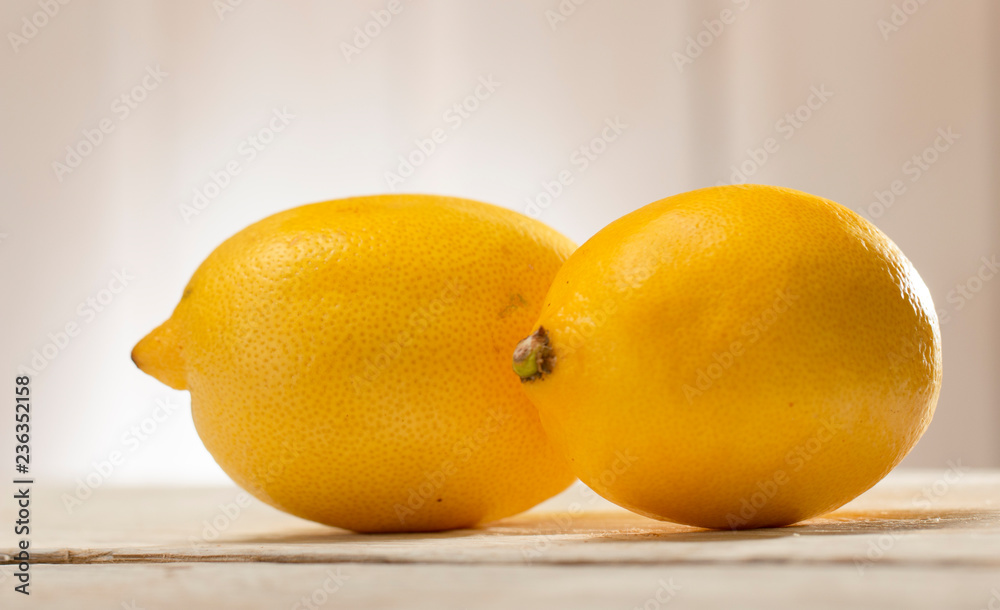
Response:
column 918, row 539
column 190, row 586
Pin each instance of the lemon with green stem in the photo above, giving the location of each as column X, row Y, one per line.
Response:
column 763, row 354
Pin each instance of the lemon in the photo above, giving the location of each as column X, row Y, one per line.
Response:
column 348, row 361
column 735, row 357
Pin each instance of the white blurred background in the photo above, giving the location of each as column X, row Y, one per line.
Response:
column 136, row 136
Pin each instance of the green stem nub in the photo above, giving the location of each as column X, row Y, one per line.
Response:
column 533, row 356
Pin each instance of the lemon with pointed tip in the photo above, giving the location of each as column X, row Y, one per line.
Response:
column 735, row 357
column 348, row 361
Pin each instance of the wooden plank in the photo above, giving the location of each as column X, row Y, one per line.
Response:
column 435, row 587
column 918, row 519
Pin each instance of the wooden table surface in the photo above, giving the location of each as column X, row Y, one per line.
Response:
column 919, row 539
